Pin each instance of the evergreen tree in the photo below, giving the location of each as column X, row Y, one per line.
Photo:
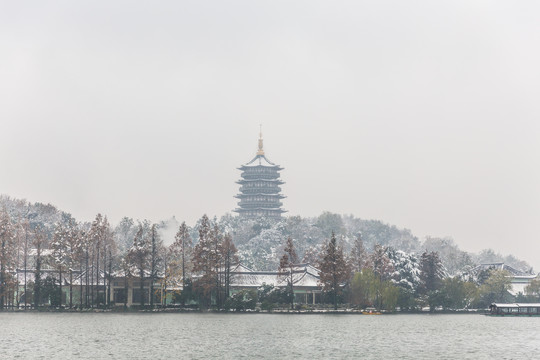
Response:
column 431, row 275
column 334, row 270
column 286, row 267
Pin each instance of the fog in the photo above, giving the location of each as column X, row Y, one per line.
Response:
column 421, row 114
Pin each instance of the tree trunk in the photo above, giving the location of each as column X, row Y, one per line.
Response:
column 81, row 286
column 70, row 288
column 109, row 279
column 292, row 289
column 86, row 280
column 183, row 273
column 125, row 290
column 60, row 287
column 142, row 288
column 97, row 277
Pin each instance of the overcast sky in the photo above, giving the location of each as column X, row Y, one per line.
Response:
column 422, row 114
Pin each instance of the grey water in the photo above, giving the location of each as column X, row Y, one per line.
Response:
column 266, row 336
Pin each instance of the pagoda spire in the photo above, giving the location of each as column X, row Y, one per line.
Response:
column 260, row 191
column 260, row 151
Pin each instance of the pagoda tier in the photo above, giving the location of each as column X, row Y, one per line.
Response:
column 260, row 191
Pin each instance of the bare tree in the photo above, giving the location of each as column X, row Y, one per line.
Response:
column 183, row 248
column 358, row 258
column 156, row 259
column 230, row 259
column 7, row 254
column 286, row 267
column 40, row 241
column 205, row 261
column 334, row 270
column 138, row 256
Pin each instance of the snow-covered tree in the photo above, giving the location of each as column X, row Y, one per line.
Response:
column 230, row 259
column 359, row 257
column 40, row 242
column 139, row 256
column 181, row 251
column 286, row 267
column 7, row 254
column 431, row 275
column 206, row 261
column 124, row 233
column 156, row 259
column 380, row 263
column 25, row 233
column 59, row 252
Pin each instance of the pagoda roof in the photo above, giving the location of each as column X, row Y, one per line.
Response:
column 260, row 160
column 259, row 208
column 272, row 181
column 260, row 193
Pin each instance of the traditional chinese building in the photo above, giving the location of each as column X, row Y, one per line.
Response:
column 260, row 187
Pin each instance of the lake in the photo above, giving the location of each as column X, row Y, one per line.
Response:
column 266, row 336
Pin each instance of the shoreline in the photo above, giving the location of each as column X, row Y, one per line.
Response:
column 249, row 312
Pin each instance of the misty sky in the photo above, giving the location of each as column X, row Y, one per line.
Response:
column 422, row 114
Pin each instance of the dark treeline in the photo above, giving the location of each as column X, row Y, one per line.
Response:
column 43, row 251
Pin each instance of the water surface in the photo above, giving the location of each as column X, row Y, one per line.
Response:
column 266, row 336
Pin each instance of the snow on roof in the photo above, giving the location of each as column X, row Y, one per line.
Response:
column 516, row 305
column 260, row 160
column 240, row 268
column 304, row 275
column 498, row 266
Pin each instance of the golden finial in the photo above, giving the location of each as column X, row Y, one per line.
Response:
column 260, row 151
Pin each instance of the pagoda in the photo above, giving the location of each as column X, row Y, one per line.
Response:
column 259, row 191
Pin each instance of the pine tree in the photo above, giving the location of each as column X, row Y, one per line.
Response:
column 334, row 270
column 431, row 275
column 286, row 267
